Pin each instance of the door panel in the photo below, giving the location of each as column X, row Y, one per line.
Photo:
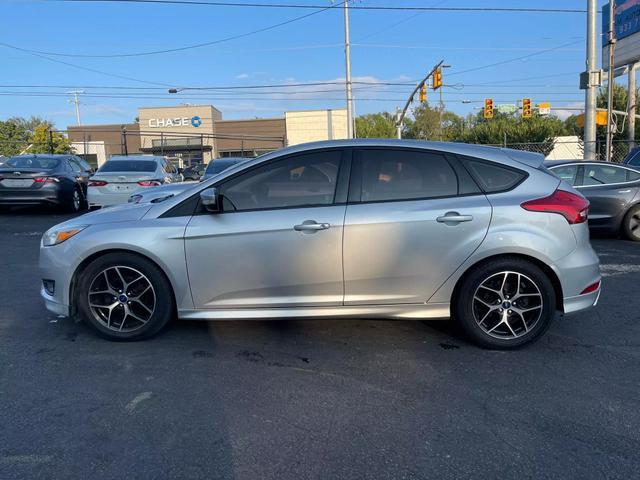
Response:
column 606, row 189
column 270, row 258
column 398, row 252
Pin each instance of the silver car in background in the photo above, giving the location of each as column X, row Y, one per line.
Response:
column 121, row 176
column 162, row 192
column 360, row 229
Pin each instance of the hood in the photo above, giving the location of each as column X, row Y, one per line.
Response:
column 119, row 213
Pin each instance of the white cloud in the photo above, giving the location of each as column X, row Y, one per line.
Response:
column 574, row 108
column 242, row 76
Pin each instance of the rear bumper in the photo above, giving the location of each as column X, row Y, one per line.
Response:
column 100, row 199
column 30, row 196
column 582, row 302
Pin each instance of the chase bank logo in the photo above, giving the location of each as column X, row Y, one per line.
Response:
column 196, row 121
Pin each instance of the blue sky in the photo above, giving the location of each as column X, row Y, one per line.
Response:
column 388, row 46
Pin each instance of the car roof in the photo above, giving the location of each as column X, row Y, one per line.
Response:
column 559, row 163
column 497, row 154
column 136, row 157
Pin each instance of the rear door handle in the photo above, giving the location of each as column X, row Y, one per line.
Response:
column 454, row 218
column 311, row 226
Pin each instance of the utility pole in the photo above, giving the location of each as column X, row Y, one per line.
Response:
column 76, row 101
column 631, row 109
column 611, row 78
column 347, row 53
column 591, row 87
column 398, row 123
column 442, row 107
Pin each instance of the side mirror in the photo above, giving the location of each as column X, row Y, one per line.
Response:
column 209, row 199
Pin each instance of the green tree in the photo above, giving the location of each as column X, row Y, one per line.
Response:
column 376, row 125
column 42, row 141
column 425, row 124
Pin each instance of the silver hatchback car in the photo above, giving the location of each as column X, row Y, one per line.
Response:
column 362, row 229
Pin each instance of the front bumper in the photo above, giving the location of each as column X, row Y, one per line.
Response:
column 54, row 265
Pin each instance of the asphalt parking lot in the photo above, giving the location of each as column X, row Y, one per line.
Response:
column 314, row 399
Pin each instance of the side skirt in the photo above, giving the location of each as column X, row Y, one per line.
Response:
column 422, row 311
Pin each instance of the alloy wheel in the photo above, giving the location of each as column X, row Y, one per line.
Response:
column 76, row 200
column 634, row 224
column 122, row 299
column 507, row 305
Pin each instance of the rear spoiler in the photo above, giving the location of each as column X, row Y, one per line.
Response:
column 531, row 159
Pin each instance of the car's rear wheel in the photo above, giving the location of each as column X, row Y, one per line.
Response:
column 124, row 297
column 75, row 202
column 631, row 224
column 505, row 304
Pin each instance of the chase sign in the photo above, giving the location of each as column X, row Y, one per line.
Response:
column 175, row 122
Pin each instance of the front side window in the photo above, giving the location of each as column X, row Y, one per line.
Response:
column 389, row 175
column 604, row 174
column 75, row 167
column 568, row 173
column 297, row 181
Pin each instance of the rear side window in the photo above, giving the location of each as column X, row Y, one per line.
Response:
column 494, row 178
column 632, row 175
column 389, row 174
column 604, row 174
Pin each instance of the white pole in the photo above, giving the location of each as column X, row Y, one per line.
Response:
column 347, row 52
column 591, row 92
column 611, row 79
column 631, row 119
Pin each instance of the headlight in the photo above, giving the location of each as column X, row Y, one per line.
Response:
column 59, row 235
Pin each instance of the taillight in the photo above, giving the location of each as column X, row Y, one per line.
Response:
column 45, row 180
column 571, row 206
column 97, row 183
column 149, row 183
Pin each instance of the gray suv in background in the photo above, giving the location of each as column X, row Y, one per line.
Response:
column 360, row 229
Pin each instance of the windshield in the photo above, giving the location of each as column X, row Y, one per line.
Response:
column 218, row 166
column 41, row 163
column 128, row 166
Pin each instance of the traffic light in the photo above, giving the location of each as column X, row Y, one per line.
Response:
column 437, row 78
column 527, row 110
column 423, row 93
column 488, row 108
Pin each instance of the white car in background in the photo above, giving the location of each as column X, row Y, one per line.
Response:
column 121, row 176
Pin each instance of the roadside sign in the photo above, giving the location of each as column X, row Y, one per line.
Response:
column 544, row 108
column 507, row 108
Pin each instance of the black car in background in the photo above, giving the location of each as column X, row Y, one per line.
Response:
column 194, row 172
column 633, row 158
column 612, row 189
column 43, row 179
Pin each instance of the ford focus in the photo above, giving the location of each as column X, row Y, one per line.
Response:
column 357, row 229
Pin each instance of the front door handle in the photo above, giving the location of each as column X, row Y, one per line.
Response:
column 453, row 218
column 311, row 226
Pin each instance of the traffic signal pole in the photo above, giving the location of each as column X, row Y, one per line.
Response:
column 347, row 54
column 591, row 90
column 403, row 112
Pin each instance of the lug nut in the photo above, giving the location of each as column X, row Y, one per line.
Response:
column 500, row 310
column 510, row 312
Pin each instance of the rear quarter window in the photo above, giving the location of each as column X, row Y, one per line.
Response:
column 494, row 178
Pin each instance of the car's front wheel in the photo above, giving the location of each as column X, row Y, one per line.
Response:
column 124, row 297
column 505, row 304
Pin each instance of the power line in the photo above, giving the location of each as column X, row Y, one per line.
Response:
column 178, row 49
column 355, row 7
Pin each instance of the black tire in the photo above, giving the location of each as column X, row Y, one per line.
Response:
column 75, row 201
column 631, row 224
column 521, row 328
column 164, row 306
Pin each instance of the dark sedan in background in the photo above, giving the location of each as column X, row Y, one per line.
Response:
column 58, row 180
column 612, row 189
column 195, row 172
